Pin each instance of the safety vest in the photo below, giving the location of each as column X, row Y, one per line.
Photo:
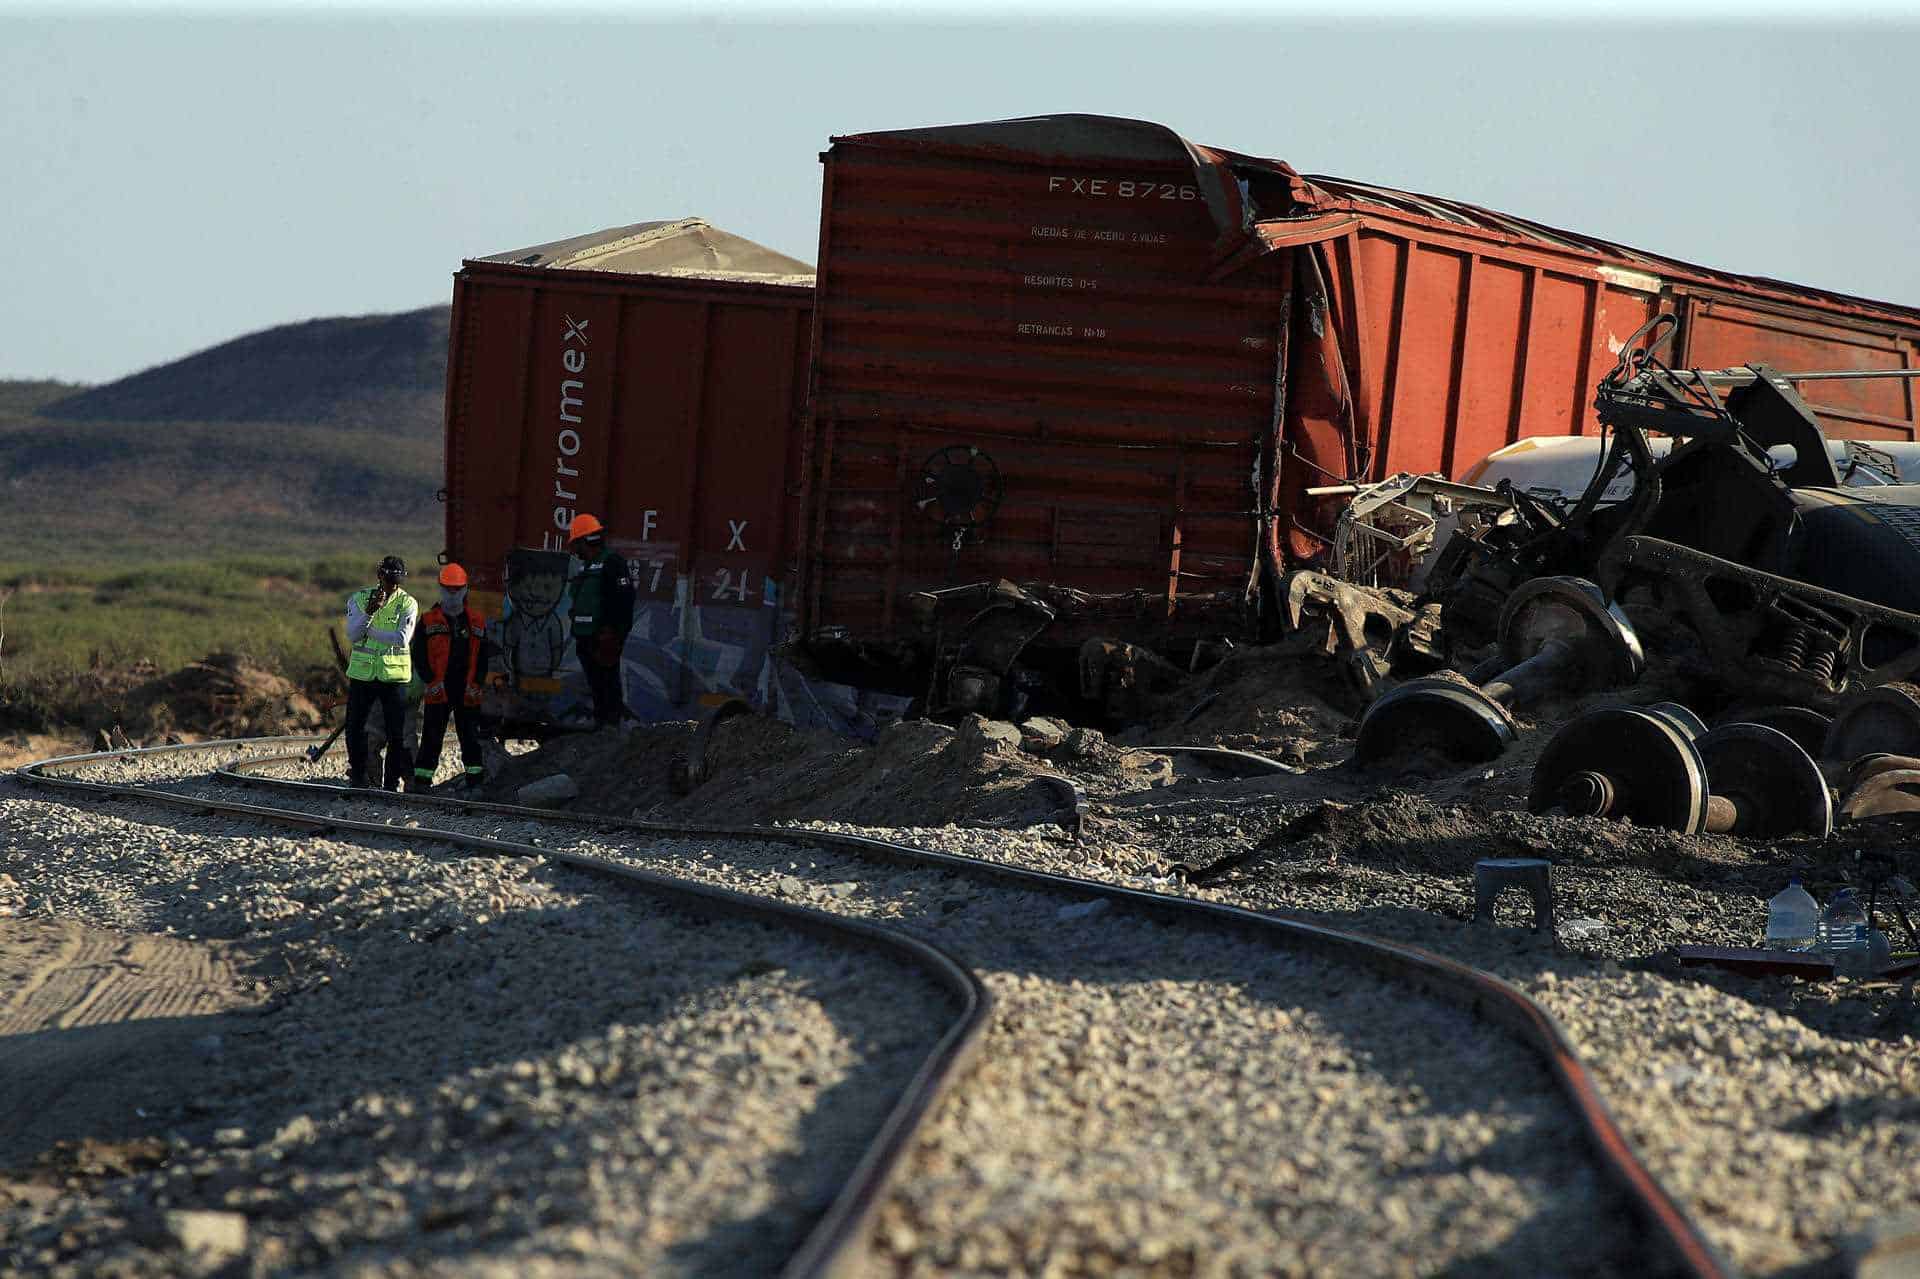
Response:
column 374, row 660
column 439, row 632
column 599, row 592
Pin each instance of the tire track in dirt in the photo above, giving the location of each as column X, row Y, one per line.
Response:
column 96, row 1024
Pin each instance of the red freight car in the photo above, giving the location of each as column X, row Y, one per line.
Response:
column 1084, row 352
column 652, row 375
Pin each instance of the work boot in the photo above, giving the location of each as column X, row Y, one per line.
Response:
column 421, row 781
column 476, row 778
column 356, row 783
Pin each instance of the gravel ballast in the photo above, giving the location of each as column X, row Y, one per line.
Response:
column 461, row 1065
column 1170, row 1099
column 1784, row 1116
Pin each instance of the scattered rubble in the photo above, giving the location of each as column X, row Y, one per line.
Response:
column 1042, row 733
column 548, row 792
column 1583, row 929
column 1690, row 1057
column 210, row 1239
column 979, row 737
column 984, row 773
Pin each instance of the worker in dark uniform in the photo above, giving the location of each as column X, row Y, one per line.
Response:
column 450, row 659
column 602, row 615
column 380, row 624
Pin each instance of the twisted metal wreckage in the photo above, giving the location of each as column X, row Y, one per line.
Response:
column 1801, row 589
column 1246, row 320
column 1072, row 401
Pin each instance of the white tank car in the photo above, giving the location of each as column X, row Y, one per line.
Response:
column 1561, row 465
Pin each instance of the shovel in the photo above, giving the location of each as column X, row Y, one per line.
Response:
column 315, row 752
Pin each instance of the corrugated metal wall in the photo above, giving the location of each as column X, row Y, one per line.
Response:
column 1458, row 348
column 1719, row 331
column 1060, row 319
column 668, row 407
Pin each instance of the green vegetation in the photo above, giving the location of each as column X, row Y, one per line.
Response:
column 67, row 633
column 227, row 501
column 273, row 610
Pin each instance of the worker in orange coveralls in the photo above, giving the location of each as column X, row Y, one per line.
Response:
column 450, row 654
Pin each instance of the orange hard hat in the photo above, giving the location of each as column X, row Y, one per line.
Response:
column 453, row 576
column 583, row 526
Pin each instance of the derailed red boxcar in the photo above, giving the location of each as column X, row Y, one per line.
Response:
column 1086, row 354
column 652, row 375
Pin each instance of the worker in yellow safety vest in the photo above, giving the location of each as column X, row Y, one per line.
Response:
column 380, row 622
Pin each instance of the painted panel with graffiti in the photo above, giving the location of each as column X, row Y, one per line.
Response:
column 542, row 677
column 688, row 649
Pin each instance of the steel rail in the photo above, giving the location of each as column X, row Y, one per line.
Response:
column 1674, row 1234
column 1246, row 763
column 836, row 1244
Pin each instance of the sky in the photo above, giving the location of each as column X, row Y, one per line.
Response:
column 178, row 178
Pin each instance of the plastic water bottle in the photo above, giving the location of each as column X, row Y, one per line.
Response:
column 1843, row 935
column 1793, row 919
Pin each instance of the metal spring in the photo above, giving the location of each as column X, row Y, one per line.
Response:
column 1794, row 648
column 1823, row 664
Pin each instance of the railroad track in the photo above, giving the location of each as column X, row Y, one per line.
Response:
column 835, row 1243
column 1227, row 935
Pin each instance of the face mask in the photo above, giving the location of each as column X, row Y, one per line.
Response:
column 453, row 602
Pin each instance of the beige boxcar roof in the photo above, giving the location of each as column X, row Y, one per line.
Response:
column 686, row 247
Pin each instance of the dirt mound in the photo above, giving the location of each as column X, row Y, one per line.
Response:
column 918, row 773
column 222, row 695
column 616, row 773
column 1292, row 706
column 24, row 748
column 1405, row 830
column 1398, row 826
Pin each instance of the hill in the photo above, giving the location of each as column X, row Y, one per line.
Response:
column 376, row 371
column 306, row 439
column 30, row 397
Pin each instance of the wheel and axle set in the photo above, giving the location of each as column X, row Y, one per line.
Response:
column 1754, row 774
